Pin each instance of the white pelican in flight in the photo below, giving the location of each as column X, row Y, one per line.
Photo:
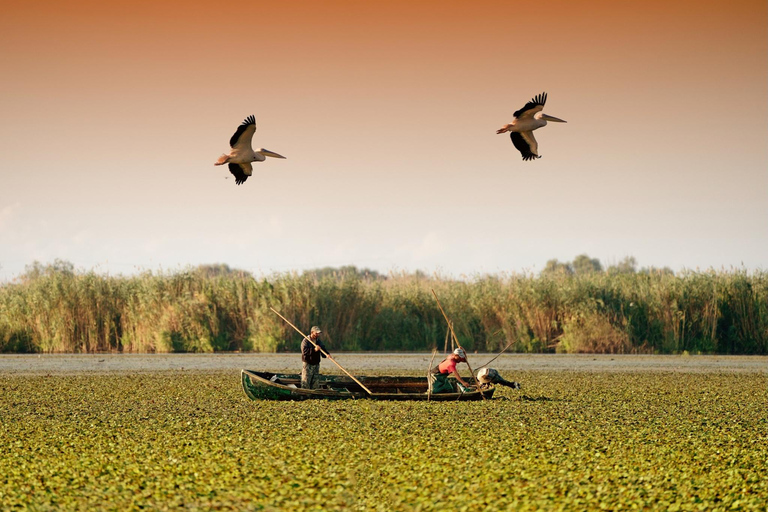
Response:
column 527, row 119
column 242, row 154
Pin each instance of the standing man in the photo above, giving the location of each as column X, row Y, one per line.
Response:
column 310, row 356
column 438, row 376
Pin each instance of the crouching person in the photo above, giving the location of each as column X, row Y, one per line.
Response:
column 488, row 376
column 438, row 376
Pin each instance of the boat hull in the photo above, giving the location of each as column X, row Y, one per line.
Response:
column 281, row 386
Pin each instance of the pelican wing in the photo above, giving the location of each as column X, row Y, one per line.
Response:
column 525, row 143
column 244, row 134
column 532, row 107
column 240, row 172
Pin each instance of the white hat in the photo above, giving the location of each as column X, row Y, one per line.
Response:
column 484, row 375
column 460, row 352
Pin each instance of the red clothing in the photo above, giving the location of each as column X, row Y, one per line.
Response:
column 447, row 366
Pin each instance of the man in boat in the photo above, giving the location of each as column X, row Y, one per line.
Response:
column 310, row 357
column 488, row 376
column 438, row 376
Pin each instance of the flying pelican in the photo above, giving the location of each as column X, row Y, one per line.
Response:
column 527, row 119
column 242, row 154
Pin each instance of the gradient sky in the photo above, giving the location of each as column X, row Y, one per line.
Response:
column 112, row 114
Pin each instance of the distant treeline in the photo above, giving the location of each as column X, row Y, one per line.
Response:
column 568, row 308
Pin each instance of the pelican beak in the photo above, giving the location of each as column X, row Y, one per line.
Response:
column 552, row 118
column 267, row 152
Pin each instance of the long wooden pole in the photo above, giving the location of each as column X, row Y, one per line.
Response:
column 457, row 341
column 429, row 386
column 326, row 354
column 497, row 355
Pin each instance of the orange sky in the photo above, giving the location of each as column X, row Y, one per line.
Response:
column 113, row 114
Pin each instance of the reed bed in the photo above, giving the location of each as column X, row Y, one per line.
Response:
column 54, row 308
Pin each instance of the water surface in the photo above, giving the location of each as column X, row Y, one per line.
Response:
column 371, row 363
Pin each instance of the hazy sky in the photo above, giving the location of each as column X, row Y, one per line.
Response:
column 112, row 114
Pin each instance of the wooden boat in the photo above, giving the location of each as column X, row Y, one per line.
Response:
column 283, row 386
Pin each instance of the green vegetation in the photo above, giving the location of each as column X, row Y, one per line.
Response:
column 579, row 441
column 569, row 308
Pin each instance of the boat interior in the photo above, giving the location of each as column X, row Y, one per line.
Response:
column 344, row 384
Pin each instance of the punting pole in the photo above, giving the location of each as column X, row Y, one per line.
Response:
column 497, row 355
column 457, row 342
column 321, row 350
column 429, row 387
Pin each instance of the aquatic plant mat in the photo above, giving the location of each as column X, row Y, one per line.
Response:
column 170, row 440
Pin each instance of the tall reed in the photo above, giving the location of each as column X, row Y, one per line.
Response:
column 54, row 308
